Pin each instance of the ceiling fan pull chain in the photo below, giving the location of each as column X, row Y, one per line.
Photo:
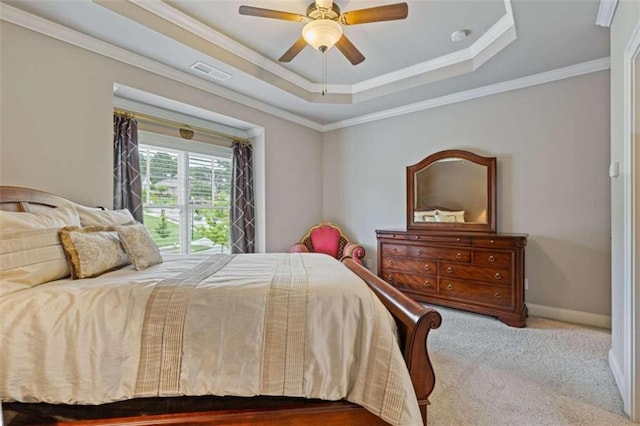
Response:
column 324, row 72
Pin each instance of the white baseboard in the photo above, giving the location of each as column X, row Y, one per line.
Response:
column 567, row 315
column 617, row 372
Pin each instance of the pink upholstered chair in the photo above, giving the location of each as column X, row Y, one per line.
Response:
column 329, row 239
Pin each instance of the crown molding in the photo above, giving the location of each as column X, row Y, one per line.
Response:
column 492, row 35
column 67, row 35
column 434, row 64
column 490, row 43
column 519, row 83
column 605, row 12
column 59, row 32
column 501, row 33
column 177, row 17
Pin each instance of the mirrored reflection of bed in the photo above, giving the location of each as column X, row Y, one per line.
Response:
column 97, row 327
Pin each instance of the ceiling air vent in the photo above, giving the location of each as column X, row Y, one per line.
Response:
column 210, row 71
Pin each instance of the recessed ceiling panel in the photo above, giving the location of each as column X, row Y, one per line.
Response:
column 388, row 46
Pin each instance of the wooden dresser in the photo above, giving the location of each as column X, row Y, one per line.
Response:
column 475, row 271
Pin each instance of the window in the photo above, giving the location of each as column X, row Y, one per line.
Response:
column 186, row 194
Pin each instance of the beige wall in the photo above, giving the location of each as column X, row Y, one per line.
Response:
column 55, row 130
column 552, row 145
column 626, row 18
column 55, row 134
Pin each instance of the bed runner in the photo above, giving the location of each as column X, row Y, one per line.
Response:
column 161, row 342
column 284, row 328
column 285, row 324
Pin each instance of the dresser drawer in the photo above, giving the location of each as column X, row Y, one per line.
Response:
column 492, row 258
column 422, row 283
column 394, row 250
column 493, row 242
column 475, row 273
column 439, row 239
column 416, row 266
column 439, row 253
column 476, row 293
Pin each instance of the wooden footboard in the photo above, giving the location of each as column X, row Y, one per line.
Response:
column 414, row 323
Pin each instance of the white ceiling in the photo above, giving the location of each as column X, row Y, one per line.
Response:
column 408, row 61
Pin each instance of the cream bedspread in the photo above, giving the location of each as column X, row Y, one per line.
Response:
column 264, row 324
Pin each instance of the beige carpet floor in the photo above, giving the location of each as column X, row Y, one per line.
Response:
column 550, row 373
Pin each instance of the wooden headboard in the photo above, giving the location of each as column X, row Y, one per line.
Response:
column 18, row 199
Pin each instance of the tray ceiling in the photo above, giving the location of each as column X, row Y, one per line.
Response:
column 407, row 61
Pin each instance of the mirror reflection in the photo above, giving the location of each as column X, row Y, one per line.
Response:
column 451, row 190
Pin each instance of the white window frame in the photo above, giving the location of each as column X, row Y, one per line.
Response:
column 184, row 147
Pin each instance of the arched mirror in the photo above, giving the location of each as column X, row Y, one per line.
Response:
column 452, row 190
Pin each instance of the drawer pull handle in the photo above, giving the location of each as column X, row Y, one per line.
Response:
column 492, row 241
column 449, row 269
column 417, row 237
column 418, row 251
column 427, row 266
column 395, row 250
column 492, row 259
column 391, row 263
column 497, row 294
column 458, row 240
column 449, row 287
column 458, row 255
column 498, row 276
column 389, row 277
column 427, row 283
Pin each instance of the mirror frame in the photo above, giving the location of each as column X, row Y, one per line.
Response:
column 488, row 162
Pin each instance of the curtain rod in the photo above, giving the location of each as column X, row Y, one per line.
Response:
column 178, row 125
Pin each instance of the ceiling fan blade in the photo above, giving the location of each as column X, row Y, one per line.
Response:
column 293, row 50
column 375, row 14
column 351, row 52
column 269, row 13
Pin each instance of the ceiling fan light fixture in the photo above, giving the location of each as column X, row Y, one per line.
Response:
column 322, row 34
column 324, row 4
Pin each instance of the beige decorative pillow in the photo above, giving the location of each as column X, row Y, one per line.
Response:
column 445, row 218
column 139, row 245
column 98, row 217
column 30, row 251
column 92, row 250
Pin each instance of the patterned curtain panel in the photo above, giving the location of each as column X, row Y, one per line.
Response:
column 127, row 183
column 243, row 226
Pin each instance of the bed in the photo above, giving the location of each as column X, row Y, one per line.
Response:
column 312, row 341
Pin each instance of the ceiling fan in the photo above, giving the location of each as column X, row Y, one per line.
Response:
column 324, row 25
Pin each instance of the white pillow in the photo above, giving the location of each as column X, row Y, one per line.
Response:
column 51, row 218
column 30, row 251
column 425, row 216
column 98, row 217
column 450, row 216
